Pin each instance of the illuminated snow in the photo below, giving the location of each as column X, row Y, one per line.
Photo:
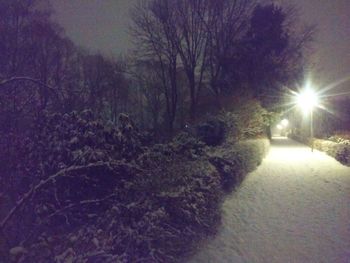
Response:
column 293, row 208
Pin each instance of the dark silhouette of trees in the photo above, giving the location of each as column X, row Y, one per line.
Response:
column 40, row 69
column 227, row 23
column 266, row 42
column 187, row 51
column 226, row 46
column 154, row 32
column 192, row 45
column 269, row 56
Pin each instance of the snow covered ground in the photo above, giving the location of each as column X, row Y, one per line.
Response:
column 294, row 208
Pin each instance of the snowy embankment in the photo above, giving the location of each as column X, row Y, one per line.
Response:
column 293, row 208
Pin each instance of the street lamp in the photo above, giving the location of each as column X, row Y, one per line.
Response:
column 307, row 100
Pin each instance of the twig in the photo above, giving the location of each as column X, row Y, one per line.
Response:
column 84, row 202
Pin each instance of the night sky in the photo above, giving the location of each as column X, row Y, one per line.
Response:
column 102, row 25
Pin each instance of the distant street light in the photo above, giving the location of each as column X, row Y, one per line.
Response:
column 285, row 122
column 307, row 100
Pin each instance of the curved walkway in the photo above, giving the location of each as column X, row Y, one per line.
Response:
column 294, row 208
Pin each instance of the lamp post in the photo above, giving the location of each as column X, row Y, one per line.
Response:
column 307, row 100
column 312, row 129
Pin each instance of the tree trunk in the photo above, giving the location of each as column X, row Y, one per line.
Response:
column 193, row 107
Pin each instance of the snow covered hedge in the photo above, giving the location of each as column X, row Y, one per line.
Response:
column 340, row 151
column 248, row 121
column 80, row 190
column 337, row 148
column 235, row 161
column 77, row 190
column 342, row 137
column 212, row 132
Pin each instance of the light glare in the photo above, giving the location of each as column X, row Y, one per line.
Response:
column 307, row 100
column 285, row 122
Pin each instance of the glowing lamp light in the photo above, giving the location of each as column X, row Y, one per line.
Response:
column 284, row 122
column 307, row 100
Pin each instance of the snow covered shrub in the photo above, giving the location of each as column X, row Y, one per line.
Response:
column 186, row 144
column 93, row 193
column 248, row 121
column 343, row 154
column 339, row 151
column 12, row 148
column 189, row 191
column 233, row 162
column 89, row 192
column 233, row 131
column 251, row 153
column 342, row 137
column 230, row 176
column 157, row 215
column 67, row 169
column 211, row 132
column 184, row 182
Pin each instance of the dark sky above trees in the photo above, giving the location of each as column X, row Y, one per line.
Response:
column 103, row 25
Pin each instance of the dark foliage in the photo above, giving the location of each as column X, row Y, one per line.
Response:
column 234, row 162
column 77, row 189
column 247, row 121
column 95, row 193
column 211, row 132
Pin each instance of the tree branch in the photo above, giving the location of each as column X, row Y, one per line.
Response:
column 84, row 202
column 36, row 81
column 65, row 172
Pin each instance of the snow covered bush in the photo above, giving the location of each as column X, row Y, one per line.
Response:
column 158, row 216
column 189, row 192
column 65, row 173
column 186, row 144
column 251, row 153
column 83, row 191
column 212, row 132
column 339, row 151
column 233, row 162
column 89, row 192
column 249, row 121
column 342, row 137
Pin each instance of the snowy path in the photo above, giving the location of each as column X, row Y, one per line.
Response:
column 294, row 208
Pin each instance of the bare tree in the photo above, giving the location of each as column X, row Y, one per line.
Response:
column 192, row 44
column 154, row 33
column 152, row 89
column 202, row 33
column 226, row 24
